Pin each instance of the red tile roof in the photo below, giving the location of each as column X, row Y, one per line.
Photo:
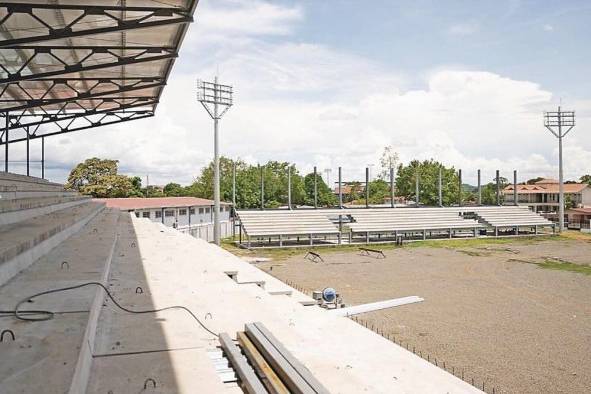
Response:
column 126, row 204
column 546, row 188
column 585, row 211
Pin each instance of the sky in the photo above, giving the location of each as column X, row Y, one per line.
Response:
column 331, row 83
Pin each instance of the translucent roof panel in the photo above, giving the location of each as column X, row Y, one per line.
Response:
column 64, row 57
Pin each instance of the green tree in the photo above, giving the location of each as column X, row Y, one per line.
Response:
column 136, row 183
column 174, row 190
column 428, row 174
column 379, row 190
column 99, row 178
column 489, row 191
column 585, row 179
column 325, row 196
column 533, row 180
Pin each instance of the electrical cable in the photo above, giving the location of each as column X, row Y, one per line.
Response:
column 42, row 315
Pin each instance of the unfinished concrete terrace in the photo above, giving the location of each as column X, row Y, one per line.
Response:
column 91, row 345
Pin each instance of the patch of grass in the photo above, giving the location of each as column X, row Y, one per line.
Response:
column 576, row 235
column 475, row 242
column 553, row 264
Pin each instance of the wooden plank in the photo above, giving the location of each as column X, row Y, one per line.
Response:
column 295, row 375
column 248, row 378
column 262, row 367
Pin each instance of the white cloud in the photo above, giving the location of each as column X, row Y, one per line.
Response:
column 246, row 17
column 464, row 29
column 314, row 105
column 548, row 27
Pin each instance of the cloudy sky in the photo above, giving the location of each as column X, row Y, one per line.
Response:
column 330, row 83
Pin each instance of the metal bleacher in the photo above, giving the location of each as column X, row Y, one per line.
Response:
column 510, row 217
column 386, row 224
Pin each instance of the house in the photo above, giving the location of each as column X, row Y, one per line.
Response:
column 542, row 196
column 579, row 218
column 186, row 214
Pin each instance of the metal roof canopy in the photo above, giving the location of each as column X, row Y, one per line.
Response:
column 68, row 65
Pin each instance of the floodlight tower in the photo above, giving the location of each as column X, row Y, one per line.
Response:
column 212, row 96
column 560, row 123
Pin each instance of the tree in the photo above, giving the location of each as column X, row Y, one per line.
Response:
column 174, row 190
column 533, row 180
column 489, row 191
column 325, row 196
column 379, row 190
column 428, row 173
column 99, row 178
column 388, row 160
column 136, row 191
column 585, row 179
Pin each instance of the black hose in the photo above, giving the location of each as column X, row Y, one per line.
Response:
column 42, row 315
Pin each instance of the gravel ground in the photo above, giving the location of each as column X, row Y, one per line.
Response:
column 487, row 311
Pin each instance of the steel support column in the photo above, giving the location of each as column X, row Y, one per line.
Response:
column 28, row 155
column 391, row 187
column 440, row 186
column 515, row 195
column 42, row 157
column 366, row 187
column 340, row 188
column 7, row 117
column 315, row 188
column 417, row 196
column 479, row 189
column 498, row 180
column 289, row 187
column 262, row 187
column 460, row 188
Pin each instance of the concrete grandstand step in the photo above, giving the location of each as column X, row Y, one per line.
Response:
column 17, row 210
column 23, row 242
column 43, row 357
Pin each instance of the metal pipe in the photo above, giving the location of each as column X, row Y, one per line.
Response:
column 515, row 202
column 366, row 187
column 340, row 188
column 289, row 187
column 216, row 168
column 234, row 185
column 6, row 142
column 391, row 187
column 460, row 189
column 43, row 158
column 440, row 186
column 315, row 189
column 498, row 188
column 479, row 189
column 417, row 197
column 560, row 177
column 262, row 187
column 28, row 155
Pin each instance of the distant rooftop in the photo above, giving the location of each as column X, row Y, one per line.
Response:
column 126, row 204
column 547, row 186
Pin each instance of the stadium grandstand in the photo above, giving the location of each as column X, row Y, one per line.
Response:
column 306, row 227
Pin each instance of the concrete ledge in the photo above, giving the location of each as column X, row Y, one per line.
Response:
column 23, row 257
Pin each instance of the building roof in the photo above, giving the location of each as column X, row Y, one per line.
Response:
column 126, row 204
column 546, row 188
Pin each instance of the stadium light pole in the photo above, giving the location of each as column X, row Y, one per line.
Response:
column 560, row 123
column 212, row 96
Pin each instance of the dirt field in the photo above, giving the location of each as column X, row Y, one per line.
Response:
column 490, row 310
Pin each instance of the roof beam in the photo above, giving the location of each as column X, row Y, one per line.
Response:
column 104, row 119
column 25, row 120
column 33, row 102
column 143, row 17
column 107, row 56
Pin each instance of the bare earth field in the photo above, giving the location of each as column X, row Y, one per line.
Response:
column 490, row 310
